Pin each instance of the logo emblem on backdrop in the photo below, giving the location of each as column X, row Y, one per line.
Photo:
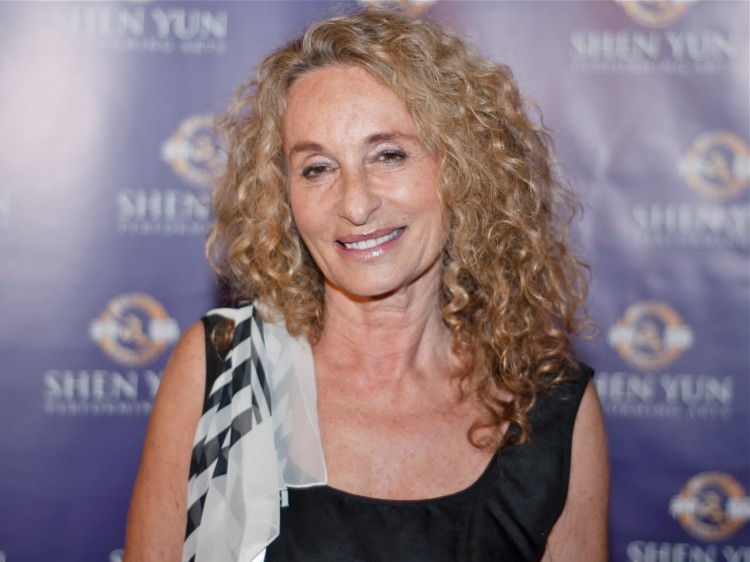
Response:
column 413, row 7
column 655, row 13
column 717, row 165
column 134, row 329
column 711, row 507
column 650, row 335
column 194, row 151
column 195, row 155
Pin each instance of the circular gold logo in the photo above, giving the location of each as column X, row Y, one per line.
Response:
column 655, row 13
column 650, row 335
column 134, row 329
column 412, row 7
column 717, row 165
column 712, row 506
column 194, row 151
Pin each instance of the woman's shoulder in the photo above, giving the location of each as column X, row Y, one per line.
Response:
column 571, row 386
column 188, row 355
column 555, row 409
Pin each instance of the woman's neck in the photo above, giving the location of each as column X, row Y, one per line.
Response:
column 401, row 335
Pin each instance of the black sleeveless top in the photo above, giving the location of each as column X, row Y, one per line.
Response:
column 506, row 515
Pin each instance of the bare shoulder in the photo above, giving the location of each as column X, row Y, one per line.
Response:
column 180, row 394
column 581, row 531
column 157, row 515
column 185, row 373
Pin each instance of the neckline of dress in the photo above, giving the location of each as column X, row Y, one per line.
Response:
column 471, row 489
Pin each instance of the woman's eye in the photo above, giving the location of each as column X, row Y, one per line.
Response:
column 314, row 171
column 391, row 156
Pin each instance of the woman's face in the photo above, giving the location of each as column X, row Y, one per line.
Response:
column 363, row 188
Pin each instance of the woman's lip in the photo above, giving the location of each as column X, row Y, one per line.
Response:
column 370, row 241
column 369, row 236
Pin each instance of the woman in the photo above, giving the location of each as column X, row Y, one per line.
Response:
column 405, row 367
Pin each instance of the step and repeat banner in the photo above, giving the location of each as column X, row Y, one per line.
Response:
column 107, row 158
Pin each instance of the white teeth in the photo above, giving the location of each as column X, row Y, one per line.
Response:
column 372, row 242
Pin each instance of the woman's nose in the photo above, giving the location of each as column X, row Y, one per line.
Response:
column 358, row 200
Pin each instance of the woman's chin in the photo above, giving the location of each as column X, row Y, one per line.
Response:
column 363, row 293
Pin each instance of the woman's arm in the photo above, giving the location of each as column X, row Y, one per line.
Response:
column 157, row 515
column 581, row 531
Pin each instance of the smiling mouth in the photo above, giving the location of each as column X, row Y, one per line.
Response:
column 372, row 242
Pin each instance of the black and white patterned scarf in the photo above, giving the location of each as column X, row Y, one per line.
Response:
column 257, row 436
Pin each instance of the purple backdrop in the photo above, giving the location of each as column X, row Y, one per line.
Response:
column 105, row 172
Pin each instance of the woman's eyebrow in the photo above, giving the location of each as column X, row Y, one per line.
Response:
column 389, row 136
column 305, row 147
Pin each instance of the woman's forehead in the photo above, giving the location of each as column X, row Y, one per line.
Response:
column 344, row 100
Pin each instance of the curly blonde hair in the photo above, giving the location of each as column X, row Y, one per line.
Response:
column 512, row 293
